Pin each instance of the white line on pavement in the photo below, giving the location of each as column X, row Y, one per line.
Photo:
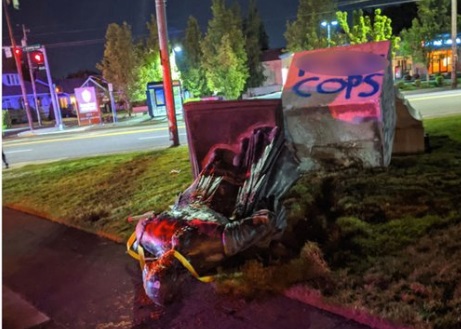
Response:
column 154, row 137
column 18, row 151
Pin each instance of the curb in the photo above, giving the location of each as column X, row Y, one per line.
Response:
column 49, row 217
column 314, row 298
column 25, row 132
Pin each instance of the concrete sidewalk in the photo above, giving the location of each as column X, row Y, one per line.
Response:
column 79, row 280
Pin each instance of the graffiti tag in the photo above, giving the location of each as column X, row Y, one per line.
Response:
column 337, row 85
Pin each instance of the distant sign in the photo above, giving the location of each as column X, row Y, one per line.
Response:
column 8, row 53
column 88, row 106
column 86, row 99
column 32, row 47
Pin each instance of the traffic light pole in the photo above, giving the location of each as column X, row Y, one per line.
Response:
column 160, row 6
column 32, row 78
column 18, row 66
column 56, row 109
column 454, row 49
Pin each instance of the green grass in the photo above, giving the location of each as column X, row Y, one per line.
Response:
column 99, row 193
column 389, row 236
column 423, row 84
column 447, row 126
column 386, row 240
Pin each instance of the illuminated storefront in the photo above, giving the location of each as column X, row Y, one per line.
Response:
column 440, row 58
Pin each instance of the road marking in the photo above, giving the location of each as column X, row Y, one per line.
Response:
column 130, row 132
column 18, row 151
column 430, row 97
column 155, row 137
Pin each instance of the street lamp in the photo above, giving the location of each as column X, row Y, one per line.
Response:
column 328, row 26
column 176, row 51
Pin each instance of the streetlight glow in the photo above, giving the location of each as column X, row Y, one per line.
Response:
column 328, row 26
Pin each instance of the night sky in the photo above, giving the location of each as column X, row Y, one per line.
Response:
column 74, row 31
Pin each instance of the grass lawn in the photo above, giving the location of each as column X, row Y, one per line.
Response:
column 383, row 240
column 98, row 194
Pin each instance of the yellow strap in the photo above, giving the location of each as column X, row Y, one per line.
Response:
column 139, row 255
column 190, row 268
column 129, row 245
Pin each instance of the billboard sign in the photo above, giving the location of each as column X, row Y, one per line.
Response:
column 88, row 105
column 86, row 99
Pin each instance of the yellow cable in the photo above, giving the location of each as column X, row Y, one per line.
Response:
column 139, row 255
column 190, row 268
column 129, row 244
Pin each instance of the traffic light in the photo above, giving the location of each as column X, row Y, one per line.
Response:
column 18, row 52
column 38, row 59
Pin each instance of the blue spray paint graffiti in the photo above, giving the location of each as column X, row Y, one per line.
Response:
column 337, row 85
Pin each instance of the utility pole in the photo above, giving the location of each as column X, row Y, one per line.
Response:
column 110, row 86
column 18, row 66
column 454, row 51
column 160, row 6
column 54, row 98
column 31, row 72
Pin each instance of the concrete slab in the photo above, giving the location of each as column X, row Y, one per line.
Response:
column 18, row 313
column 339, row 106
column 409, row 131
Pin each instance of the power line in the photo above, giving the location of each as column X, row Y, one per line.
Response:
column 75, row 43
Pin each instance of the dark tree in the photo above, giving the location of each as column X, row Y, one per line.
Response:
column 224, row 55
column 256, row 41
column 304, row 33
column 190, row 61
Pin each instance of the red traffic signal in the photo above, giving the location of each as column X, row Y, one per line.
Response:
column 17, row 52
column 37, row 58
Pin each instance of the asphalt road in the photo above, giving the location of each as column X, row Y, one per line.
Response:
column 20, row 151
column 58, row 146
column 79, row 280
column 436, row 104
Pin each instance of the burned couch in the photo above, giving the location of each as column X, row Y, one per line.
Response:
column 232, row 205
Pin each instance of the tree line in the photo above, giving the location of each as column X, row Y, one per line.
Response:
column 226, row 59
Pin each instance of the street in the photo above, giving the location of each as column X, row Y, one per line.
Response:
column 20, row 151
column 437, row 104
column 24, row 150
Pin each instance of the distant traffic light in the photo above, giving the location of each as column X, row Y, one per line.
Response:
column 18, row 52
column 37, row 58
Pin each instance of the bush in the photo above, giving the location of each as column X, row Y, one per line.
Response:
column 401, row 85
column 407, row 77
column 6, row 119
column 439, row 80
column 418, row 83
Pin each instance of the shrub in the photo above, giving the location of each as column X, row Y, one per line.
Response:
column 6, row 119
column 418, row 83
column 401, row 85
column 439, row 80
